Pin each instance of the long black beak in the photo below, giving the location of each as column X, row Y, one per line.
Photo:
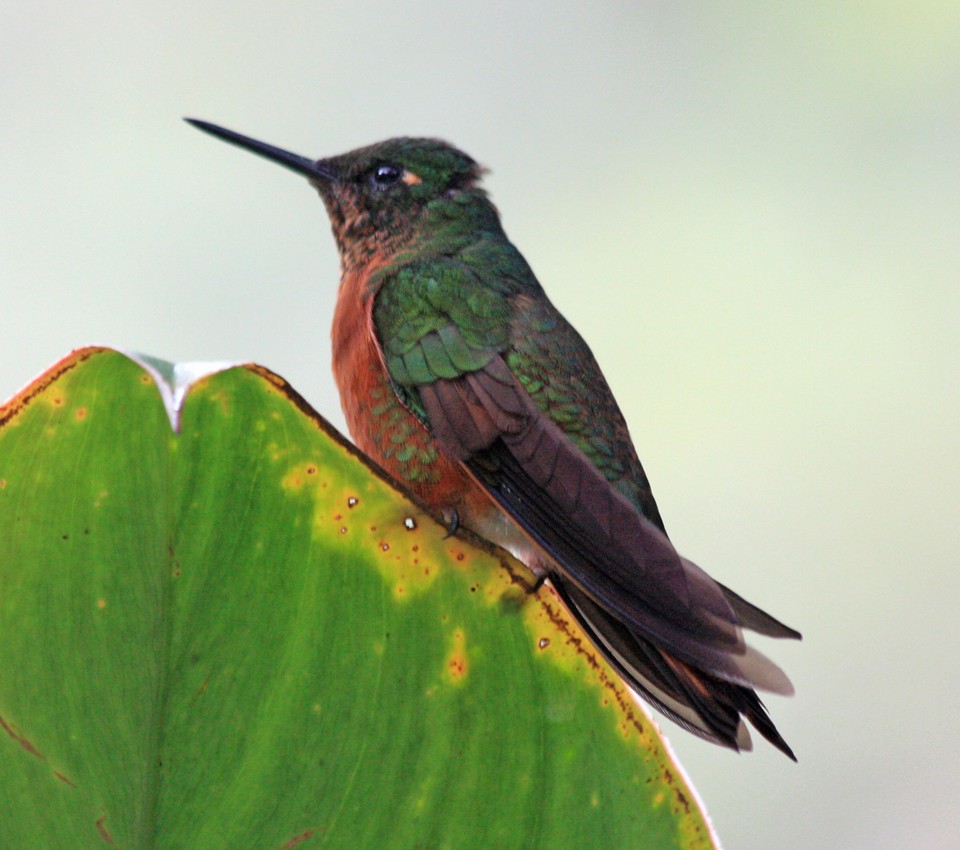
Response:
column 310, row 168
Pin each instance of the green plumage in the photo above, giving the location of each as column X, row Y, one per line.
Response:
column 437, row 320
column 474, row 297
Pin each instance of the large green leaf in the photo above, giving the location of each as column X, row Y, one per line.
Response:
column 238, row 635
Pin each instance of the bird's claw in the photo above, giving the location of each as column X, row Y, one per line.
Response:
column 453, row 526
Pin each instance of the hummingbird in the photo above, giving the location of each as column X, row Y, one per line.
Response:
column 459, row 377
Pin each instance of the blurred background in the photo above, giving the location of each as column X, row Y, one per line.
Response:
column 750, row 210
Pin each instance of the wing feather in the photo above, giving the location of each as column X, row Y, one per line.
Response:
column 671, row 630
column 602, row 544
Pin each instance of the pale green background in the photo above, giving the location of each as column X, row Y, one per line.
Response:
column 749, row 209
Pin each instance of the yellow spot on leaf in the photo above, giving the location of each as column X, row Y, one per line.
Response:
column 298, row 476
column 457, row 665
column 101, row 604
column 408, row 548
column 549, row 624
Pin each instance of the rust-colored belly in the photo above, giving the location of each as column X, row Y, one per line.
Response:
column 379, row 423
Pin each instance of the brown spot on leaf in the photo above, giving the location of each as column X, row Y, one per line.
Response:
column 14, row 733
column 616, row 691
column 65, row 779
column 200, row 691
column 102, row 829
column 19, row 402
column 682, row 800
column 171, row 553
column 457, row 663
column 298, row 839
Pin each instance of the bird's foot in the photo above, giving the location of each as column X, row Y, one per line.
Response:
column 541, row 578
column 453, row 523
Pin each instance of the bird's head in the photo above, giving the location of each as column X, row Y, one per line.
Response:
column 390, row 196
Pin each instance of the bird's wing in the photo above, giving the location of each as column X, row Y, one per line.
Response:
column 449, row 343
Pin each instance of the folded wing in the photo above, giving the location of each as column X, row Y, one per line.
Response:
column 671, row 631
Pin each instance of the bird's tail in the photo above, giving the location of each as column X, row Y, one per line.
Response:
column 708, row 706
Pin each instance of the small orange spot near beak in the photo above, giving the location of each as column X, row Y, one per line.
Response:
column 410, row 178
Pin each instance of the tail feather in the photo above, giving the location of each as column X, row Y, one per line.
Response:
column 753, row 618
column 704, row 704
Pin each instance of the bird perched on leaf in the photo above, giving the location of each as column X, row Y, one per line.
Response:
column 460, row 378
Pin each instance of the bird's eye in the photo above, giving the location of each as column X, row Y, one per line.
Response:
column 386, row 175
